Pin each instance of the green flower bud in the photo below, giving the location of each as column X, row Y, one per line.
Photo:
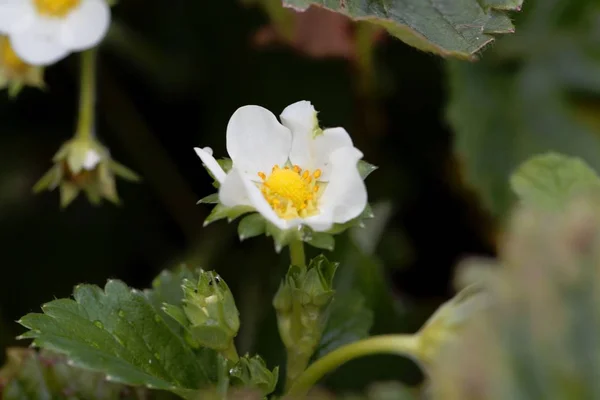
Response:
column 83, row 164
column 209, row 313
column 253, row 373
column 300, row 303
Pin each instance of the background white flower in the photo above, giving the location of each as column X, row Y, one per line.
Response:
column 292, row 173
column 44, row 31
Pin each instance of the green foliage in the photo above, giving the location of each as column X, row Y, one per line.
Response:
column 530, row 95
column 445, row 27
column 45, row 375
column 252, row 372
column 551, row 180
column 118, row 331
column 539, row 339
column 348, row 320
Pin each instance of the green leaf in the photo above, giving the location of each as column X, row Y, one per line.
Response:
column 118, row 332
column 551, row 180
column 45, row 375
column 365, row 169
column 251, row 226
column 231, row 213
column 320, row 240
column 445, row 27
column 518, row 101
column 210, row 199
column 349, row 320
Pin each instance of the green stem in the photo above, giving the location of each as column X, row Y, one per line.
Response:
column 87, row 96
column 406, row 345
column 231, row 353
column 297, row 256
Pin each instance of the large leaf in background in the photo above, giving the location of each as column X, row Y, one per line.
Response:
column 118, row 331
column 349, row 319
column 44, row 375
column 551, row 180
column 518, row 101
column 446, row 27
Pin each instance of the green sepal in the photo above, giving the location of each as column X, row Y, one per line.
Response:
column 365, row 169
column 356, row 222
column 320, row 240
column 251, row 226
column 252, row 372
column 231, row 213
column 210, row 199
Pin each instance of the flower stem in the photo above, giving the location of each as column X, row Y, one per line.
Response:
column 87, row 96
column 231, row 353
column 297, row 256
column 406, row 345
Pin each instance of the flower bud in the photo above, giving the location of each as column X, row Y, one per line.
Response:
column 300, row 303
column 208, row 313
column 253, row 373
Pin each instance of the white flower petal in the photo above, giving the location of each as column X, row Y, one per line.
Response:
column 256, row 141
column 86, row 25
column 232, row 191
column 206, row 155
column 310, row 151
column 38, row 43
column 262, row 206
column 320, row 222
column 15, row 15
column 346, row 195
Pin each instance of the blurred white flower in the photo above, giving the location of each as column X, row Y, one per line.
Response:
column 292, row 174
column 42, row 32
column 16, row 73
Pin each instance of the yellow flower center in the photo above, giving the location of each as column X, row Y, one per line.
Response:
column 55, row 8
column 291, row 192
column 10, row 59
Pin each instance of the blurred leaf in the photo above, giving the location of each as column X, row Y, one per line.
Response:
column 119, row 332
column 448, row 28
column 349, row 319
column 551, row 180
column 518, row 101
column 210, row 199
column 45, row 375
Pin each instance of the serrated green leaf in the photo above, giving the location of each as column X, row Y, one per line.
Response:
column 210, row 199
column 551, row 180
column 321, row 240
column 119, row 332
column 445, row 27
column 517, row 102
column 231, row 213
column 45, row 375
column 365, row 169
column 251, row 226
column 349, row 319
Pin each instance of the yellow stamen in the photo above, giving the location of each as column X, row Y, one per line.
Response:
column 290, row 192
column 317, row 174
column 56, row 8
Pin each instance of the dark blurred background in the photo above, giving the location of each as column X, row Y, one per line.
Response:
column 170, row 77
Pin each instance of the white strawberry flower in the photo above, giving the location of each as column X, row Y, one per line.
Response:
column 44, row 31
column 292, row 173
